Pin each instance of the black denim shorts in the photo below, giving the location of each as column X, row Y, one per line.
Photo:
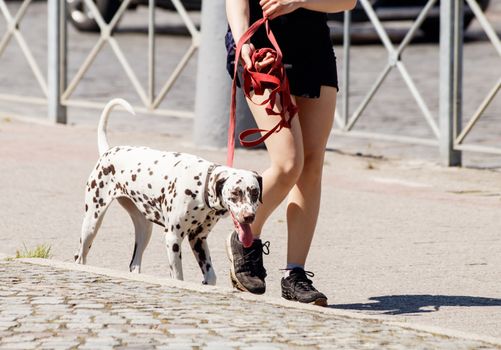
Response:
column 308, row 56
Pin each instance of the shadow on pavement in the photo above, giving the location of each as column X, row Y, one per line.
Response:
column 407, row 304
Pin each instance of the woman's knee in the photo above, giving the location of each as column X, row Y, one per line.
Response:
column 313, row 166
column 289, row 168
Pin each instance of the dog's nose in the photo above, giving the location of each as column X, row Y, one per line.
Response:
column 249, row 218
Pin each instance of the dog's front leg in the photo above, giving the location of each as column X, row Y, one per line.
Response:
column 173, row 245
column 202, row 254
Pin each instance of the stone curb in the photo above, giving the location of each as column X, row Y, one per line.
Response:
column 250, row 297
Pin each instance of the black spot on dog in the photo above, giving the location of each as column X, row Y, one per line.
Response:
column 133, row 177
column 151, row 173
column 149, row 185
column 95, row 215
column 93, row 184
column 101, row 184
column 86, row 208
column 188, row 192
column 99, row 175
column 200, row 251
column 109, row 169
column 133, row 255
column 197, row 177
column 178, row 226
column 175, row 247
column 133, row 193
column 139, row 170
column 177, row 163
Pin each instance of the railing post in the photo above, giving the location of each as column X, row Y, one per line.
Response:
column 346, row 69
column 56, row 58
column 451, row 72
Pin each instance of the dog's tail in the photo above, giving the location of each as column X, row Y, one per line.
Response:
column 102, row 142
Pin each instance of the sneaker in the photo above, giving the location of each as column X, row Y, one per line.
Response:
column 247, row 272
column 298, row 287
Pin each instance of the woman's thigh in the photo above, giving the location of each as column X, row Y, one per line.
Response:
column 285, row 147
column 316, row 116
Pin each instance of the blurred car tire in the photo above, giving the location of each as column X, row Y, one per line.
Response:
column 82, row 18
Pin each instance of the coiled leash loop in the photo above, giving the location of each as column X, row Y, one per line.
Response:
column 256, row 80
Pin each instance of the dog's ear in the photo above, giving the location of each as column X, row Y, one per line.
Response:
column 259, row 179
column 220, row 180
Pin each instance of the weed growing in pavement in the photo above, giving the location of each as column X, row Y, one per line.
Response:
column 41, row 251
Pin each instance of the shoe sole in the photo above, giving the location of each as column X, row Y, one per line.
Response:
column 234, row 281
column 318, row 302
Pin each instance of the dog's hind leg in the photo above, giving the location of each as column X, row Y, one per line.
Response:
column 91, row 223
column 142, row 228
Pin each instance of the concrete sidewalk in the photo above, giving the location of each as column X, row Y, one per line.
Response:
column 51, row 305
column 406, row 241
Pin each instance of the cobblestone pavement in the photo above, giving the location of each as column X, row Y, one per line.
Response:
column 42, row 307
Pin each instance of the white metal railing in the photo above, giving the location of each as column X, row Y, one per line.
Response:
column 448, row 133
column 148, row 96
column 12, row 31
column 496, row 42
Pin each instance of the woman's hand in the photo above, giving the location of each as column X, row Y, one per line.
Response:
column 274, row 8
column 246, row 54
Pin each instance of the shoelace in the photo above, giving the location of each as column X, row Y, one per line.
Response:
column 253, row 260
column 301, row 281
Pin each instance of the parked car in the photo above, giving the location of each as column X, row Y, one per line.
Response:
column 80, row 16
column 398, row 10
column 387, row 10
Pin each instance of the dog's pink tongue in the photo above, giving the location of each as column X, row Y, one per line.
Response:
column 245, row 235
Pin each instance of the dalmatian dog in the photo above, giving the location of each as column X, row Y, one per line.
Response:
column 184, row 194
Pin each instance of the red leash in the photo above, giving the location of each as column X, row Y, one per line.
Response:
column 258, row 80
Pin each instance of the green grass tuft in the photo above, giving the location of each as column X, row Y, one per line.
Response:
column 40, row 251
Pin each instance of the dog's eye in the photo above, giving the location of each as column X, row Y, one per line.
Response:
column 254, row 194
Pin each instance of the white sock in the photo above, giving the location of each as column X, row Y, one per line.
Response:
column 289, row 268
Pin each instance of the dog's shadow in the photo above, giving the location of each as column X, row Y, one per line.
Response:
column 415, row 304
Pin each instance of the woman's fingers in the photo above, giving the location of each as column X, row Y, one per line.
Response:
column 264, row 63
column 246, row 53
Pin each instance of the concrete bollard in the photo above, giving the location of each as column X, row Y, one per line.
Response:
column 212, row 103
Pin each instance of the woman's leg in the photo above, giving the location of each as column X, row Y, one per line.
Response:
column 285, row 149
column 286, row 153
column 316, row 117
